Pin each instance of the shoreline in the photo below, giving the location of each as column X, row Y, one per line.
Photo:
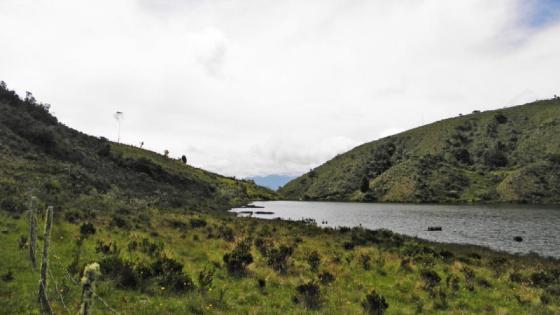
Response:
column 240, row 214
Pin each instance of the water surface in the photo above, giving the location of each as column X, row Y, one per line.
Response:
column 493, row 226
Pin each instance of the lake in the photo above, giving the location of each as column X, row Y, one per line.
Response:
column 494, row 226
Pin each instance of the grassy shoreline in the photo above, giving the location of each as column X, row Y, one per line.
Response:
column 295, row 268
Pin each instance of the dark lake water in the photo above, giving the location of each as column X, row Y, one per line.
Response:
column 494, row 226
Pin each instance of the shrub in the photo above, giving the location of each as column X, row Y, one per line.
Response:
column 105, row 150
column 263, row 245
column 122, row 272
column 453, row 282
column 462, row 155
column 498, row 264
column 516, row 277
column 543, row 279
column 205, row 278
column 314, row 260
column 405, row 264
column 261, row 283
column 198, row 223
column 152, row 249
column 348, row 245
column 431, row 279
column 43, row 137
column 226, row 233
column 484, row 283
column 374, row 304
column 326, row 277
column 86, row 230
column 278, row 258
column 364, row 184
column 120, row 221
column 171, row 275
column 495, row 158
column 237, row 260
column 309, row 294
column 72, row 216
column 447, row 255
column 8, row 276
column 22, row 242
column 500, row 118
column 11, row 204
column 365, row 261
column 469, row 273
column 110, row 248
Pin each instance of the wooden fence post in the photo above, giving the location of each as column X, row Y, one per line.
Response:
column 33, row 233
column 43, row 301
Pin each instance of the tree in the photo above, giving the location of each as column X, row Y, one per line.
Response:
column 166, row 153
column 495, row 158
column 364, row 186
column 184, row 159
column 29, row 98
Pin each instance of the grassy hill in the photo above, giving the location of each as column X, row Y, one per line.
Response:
column 61, row 166
column 507, row 155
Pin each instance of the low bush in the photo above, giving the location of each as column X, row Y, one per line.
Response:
column 365, row 261
column 326, row 278
column 226, row 233
column 314, row 260
column 261, row 283
column 198, row 223
column 86, row 230
column 309, row 294
column 431, row 279
column 237, row 260
column 544, row 278
column 205, row 279
column 120, row 222
column 263, row 245
column 171, row 275
column 277, row 258
column 374, row 304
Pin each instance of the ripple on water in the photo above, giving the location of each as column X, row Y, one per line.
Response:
column 494, row 226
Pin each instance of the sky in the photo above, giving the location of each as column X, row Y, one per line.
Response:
column 253, row 88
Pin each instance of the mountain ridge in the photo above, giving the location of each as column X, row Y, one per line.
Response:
column 504, row 155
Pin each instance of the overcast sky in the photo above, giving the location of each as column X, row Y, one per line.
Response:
column 254, row 87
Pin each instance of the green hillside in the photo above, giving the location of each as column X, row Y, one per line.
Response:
column 61, row 166
column 507, row 155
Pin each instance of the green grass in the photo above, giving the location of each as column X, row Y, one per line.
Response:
column 199, row 248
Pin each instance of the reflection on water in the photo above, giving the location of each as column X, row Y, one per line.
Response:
column 494, row 226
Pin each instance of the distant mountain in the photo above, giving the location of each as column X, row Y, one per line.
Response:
column 507, row 155
column 66, row 168
column 272, row 181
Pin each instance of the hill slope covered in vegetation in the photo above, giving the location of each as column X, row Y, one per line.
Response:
column 63, row 167
column 507, row 155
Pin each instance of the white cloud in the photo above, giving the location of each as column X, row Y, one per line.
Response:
column 260, row 87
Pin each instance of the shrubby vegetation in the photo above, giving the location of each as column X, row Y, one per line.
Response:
column 492, row 156
column 65, row 167
column 288, row 267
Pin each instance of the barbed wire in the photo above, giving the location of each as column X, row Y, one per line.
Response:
column 68, row 276
column 59, row 292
